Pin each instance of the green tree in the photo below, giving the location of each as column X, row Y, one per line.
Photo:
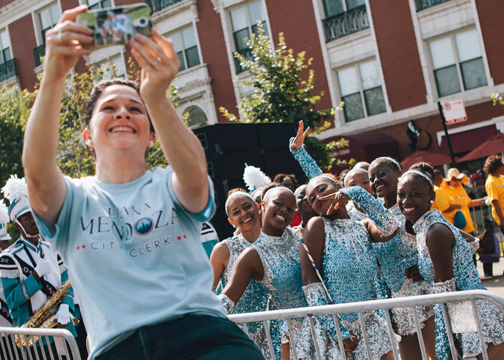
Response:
column 282, row 94
column 497, row 99
column 14, row 110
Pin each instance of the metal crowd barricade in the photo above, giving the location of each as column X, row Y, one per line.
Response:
column 360, row 307
column 62, row 347
column 478, row 215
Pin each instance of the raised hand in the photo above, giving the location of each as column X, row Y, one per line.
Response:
column 64, row 44
column 159, row 62
column 300, row 136
column 339, row 201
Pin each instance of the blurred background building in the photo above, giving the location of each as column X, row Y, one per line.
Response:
column 389, row 61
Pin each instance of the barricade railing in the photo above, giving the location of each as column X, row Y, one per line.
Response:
column 49, row 344
column 478, row 215
column 386, row 304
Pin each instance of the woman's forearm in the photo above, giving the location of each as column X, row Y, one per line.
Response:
column 184, row 153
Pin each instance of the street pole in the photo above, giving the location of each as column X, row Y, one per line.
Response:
column 443, row 120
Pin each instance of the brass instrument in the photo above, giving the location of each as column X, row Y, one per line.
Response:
column 44, row 318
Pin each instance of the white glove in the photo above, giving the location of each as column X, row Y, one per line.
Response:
column 63, row 314
column 43, row 267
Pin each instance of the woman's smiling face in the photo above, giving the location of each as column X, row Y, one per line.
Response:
column 318, row 188
column 383, row 179
column 279, row 207
column 414, row 197
column 119, row 120
column 243, row 213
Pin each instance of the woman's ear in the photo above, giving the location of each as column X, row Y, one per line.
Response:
column 152, row 138
column 86, row 135
column 232, row 223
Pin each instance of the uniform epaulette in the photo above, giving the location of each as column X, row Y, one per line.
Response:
column 9, row 268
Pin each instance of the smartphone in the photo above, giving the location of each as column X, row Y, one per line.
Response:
column 118, row 25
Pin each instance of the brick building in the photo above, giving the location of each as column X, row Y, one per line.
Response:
column 390, row 61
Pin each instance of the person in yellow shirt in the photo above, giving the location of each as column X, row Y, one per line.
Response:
column 441, row 203
column 458, row 196
column 494, row 187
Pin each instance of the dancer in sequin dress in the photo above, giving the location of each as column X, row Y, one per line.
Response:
column 399, row 265
column 274, row 260
column 445, row 262
column 341, row 249
column 243, row 214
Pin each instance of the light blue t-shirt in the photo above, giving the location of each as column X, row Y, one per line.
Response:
column 134, row 254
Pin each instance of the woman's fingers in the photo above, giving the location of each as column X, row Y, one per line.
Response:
column 71, row 14
column 167, row 45
column 330, row 196
column 306, row 132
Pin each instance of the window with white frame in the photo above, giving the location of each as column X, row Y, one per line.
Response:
column 244, row 22
column 361, row 90
column 48, row 18
column 196, row 117
column 335, row 7
column 186, row 46
column 5, row 54
column 458, row 63
column 99, row 4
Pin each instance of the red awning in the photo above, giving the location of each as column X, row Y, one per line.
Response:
column 467, row 140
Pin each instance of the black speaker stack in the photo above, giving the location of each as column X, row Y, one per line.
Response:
column 229, row 147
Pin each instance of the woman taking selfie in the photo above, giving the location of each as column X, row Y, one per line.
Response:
column 130, row 237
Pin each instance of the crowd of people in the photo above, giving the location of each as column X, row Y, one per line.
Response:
column 128, row 239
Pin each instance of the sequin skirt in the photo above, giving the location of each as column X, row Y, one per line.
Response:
column 378, row 338
column 492, row 326
column 402, row 318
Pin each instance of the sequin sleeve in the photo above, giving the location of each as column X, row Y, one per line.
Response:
column 227, row 303
column 306, row 162
column 442, row 343
column 381, row 217
column 316, row 296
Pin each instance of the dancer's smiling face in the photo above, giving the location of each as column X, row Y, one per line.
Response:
column 318, row 188
column 279, row 205
column 359, row 177
column 243, row 213
column 383, row 179
column 414, row 195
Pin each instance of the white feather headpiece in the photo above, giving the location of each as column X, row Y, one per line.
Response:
column 254, row 178
column 16, row 191
column 4, row 216
column 15, row 188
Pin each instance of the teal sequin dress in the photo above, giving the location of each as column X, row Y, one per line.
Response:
column 465, row 277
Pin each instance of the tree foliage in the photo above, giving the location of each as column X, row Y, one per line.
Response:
column 282, row 94
column 497, row 99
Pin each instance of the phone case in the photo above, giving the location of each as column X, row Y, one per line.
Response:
column 114, row 26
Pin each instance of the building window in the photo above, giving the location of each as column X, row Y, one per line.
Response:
column 196, row 117
column 186, row 47
column 361, row 90
column 335, row 7
column 344, row 18
column 458, row 63
column 99, row 4
column 112, row 67
column 5, row 54
column 48, row 18
column 244, row 22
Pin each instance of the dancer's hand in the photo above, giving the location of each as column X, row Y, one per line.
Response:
column 351, row 343
column 64, row 44
column 414, row 274
column 300, row 136
column 159, row 62
column 339, row 200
